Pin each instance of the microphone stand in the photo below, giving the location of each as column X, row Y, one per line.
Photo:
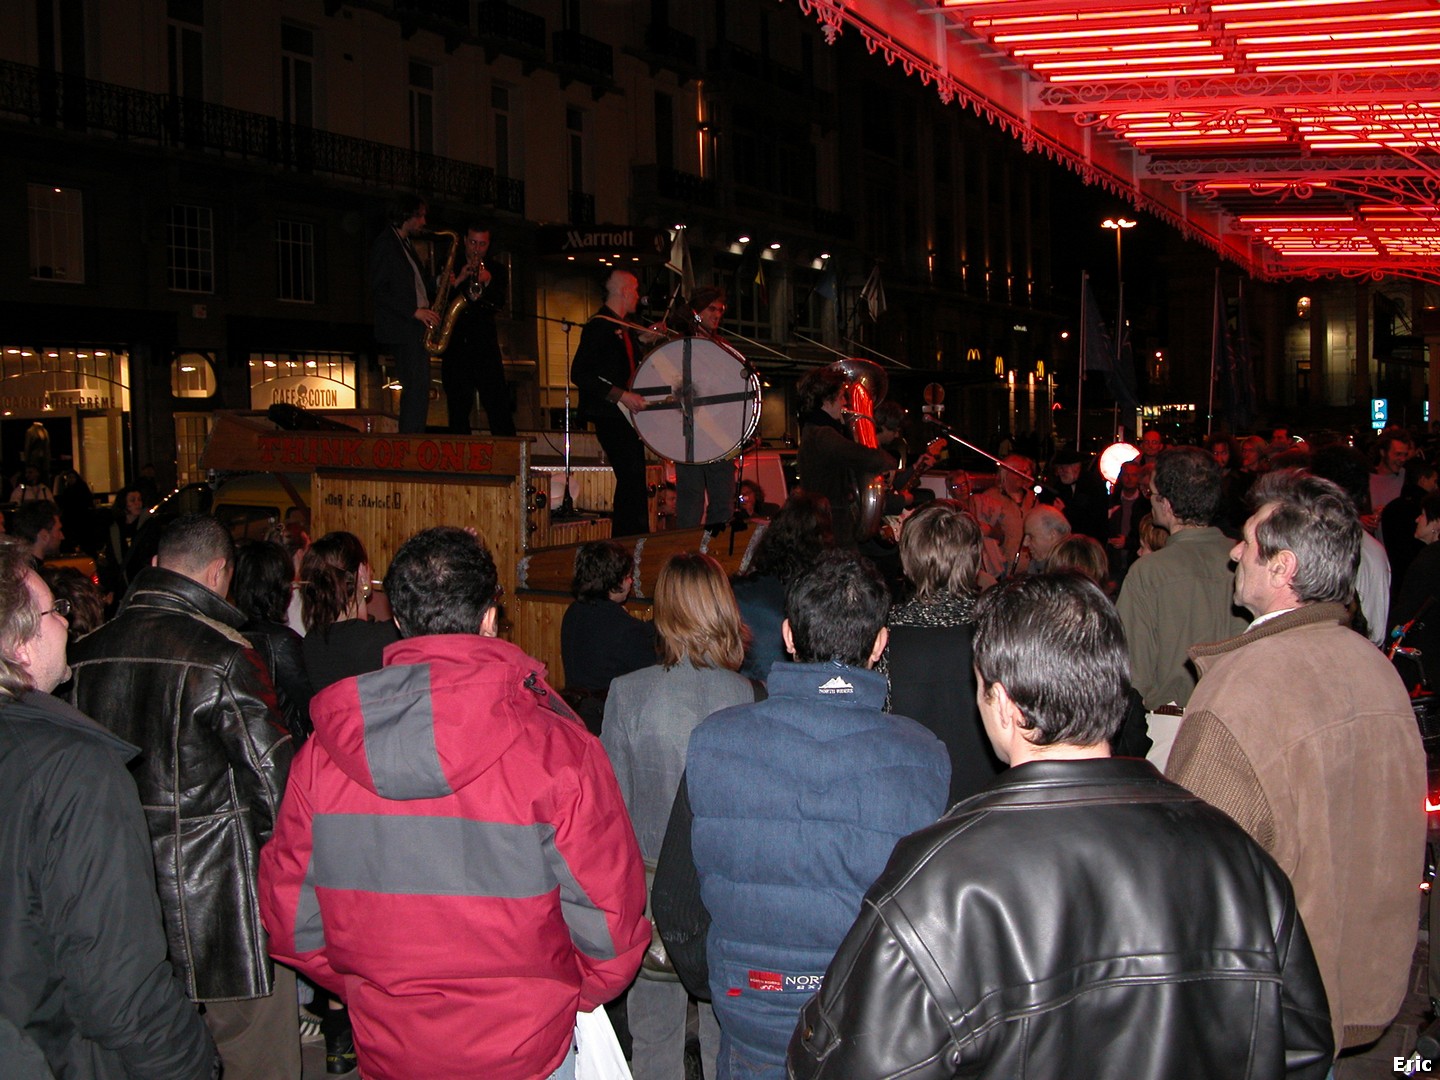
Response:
column 566, row 510
column 949, row 433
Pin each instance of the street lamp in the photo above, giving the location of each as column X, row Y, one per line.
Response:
column 1119, row 225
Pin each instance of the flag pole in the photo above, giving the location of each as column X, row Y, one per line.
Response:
column 1080, row 380
column 1216, row 324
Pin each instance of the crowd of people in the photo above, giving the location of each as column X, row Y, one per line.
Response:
column 858, row 829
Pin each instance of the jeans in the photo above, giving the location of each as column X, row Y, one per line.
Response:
column 736, row 1064
column 566, row 1071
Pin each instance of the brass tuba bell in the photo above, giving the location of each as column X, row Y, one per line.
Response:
column 866, row 385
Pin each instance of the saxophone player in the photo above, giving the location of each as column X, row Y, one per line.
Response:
column 472, row 363
column 401, row 299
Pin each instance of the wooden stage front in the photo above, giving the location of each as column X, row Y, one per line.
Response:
column 386, row 487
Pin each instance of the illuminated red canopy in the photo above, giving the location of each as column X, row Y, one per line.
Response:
column 1298, row 137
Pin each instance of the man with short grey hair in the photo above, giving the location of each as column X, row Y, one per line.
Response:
column 1303, row 733
column 1045, row 527
column 172, row 674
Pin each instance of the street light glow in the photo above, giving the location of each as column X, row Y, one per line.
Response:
column 1117, row 223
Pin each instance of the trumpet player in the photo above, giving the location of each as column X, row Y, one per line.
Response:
column 401, row 298
column 473, row 363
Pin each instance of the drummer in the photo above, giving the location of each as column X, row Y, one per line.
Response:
column 610, row 350
column 705, row 492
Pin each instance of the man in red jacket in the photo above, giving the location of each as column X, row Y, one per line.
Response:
column 453, row 855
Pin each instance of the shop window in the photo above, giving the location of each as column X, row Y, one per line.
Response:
column 191, row 249
column 192, row 375
column 295, row 254
column 57, row 234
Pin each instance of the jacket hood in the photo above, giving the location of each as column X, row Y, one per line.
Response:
column 38, row 705
column 437, row 716
column 832, row 683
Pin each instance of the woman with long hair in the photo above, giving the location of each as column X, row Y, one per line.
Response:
column 264, row 574
column 649, row 716
column 928, row 657
column 792, row 541
column 340, row 639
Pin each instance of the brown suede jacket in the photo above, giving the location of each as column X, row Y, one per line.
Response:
column 1302, row 732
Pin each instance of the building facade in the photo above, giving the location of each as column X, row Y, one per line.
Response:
column 195, row 184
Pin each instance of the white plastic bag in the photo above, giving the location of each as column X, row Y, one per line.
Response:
column 597, row 1050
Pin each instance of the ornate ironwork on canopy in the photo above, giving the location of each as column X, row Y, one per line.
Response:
column 1296, row 137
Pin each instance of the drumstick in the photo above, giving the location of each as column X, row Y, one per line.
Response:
column 666, row 400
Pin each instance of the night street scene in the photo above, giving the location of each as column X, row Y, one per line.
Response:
column 654, row 540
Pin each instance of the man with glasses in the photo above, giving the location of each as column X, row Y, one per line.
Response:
column 1180, row 595
column 87, row 988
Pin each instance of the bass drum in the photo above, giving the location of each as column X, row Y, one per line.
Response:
column 704, row 401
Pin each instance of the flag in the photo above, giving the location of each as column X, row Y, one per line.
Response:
column 1242, row 371
column 1230, row 356
column 829, row 286
column 1100, row 353
column 873, row 293
column 761, row 293
column 1219, row 345
column 680, row 261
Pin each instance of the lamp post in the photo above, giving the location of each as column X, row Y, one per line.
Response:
column 1119, row 225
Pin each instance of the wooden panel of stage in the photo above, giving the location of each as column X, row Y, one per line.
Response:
column 386, row 487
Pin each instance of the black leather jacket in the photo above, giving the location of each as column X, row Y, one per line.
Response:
column 172, row 675
column 1078, row 918
column 280, row 648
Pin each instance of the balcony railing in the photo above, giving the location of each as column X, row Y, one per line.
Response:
column 573, row 49
column 496, row 18
column 454, row 12
column 168, row 121
column 729, row 58
column 582, row 208
column 664, row 40
column 657, row 181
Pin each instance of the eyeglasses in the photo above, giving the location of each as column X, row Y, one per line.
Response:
column 61, row 608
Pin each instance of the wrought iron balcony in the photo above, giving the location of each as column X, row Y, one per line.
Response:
column 574, row 50
column 495, row 18
column 97, row 108
column 665, row 41
column 454, row 12
column 659, row 182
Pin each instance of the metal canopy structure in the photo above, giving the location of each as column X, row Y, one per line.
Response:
column 1296, row 137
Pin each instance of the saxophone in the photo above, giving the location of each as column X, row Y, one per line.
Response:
column 437, row 337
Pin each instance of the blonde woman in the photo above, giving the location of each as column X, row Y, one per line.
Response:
column 649, row 715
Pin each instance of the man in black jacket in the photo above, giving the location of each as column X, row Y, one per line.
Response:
column 401, row 298
column 1082, row 916
column 173, row 675
column 605, row 363
column 87, row 991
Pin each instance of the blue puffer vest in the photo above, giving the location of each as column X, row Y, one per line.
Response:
column 798, row 801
